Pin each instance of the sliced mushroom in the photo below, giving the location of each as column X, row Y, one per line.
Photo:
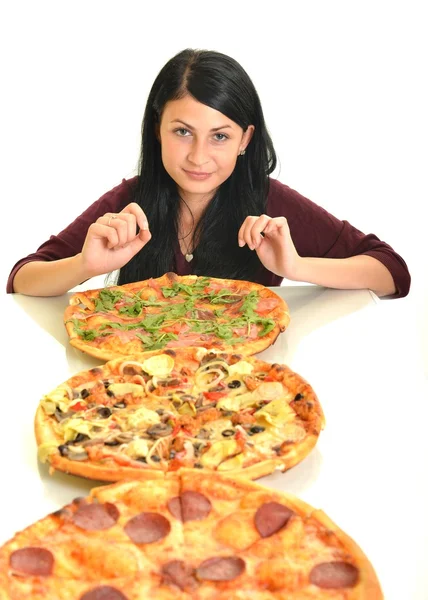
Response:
column 159, row 430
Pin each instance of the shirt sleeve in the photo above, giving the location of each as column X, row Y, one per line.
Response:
column 69, row 241
column 317, row 233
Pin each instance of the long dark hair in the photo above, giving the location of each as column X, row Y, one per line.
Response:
column 219, row 82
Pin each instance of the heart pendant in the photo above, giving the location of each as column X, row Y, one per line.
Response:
column 188, row 257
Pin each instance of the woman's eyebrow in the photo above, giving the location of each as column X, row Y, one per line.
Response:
column 191, row 127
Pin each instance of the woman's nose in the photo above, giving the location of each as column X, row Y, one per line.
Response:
column 198, row 154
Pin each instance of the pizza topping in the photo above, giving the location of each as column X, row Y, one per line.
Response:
column 103, row 592
column 121, row 389
column 176, row 572
column 276, row 412
column 104, row 412
column 160, row 365
column 334, row 575
column 219, row 451
column 235, row 383
column 147, row 527
column 159, row 430
column 96, row 517
column 221, row 568
column 271, row 517
column 228, row 432
column 32, row 561
column 189, row 506
column 242, row 367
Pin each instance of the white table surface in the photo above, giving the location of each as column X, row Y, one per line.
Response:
column 368, row 471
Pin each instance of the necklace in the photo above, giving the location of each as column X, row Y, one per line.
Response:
column 188, row 255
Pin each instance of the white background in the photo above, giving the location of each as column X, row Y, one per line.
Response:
column 343, row 85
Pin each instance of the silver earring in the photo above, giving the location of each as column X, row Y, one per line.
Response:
column 242, row 153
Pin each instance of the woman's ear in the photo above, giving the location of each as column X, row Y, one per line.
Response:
column 246, row 138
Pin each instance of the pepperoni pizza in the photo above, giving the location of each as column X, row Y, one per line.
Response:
column 190, row 536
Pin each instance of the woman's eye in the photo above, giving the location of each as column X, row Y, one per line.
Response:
column 182, row 132
column 220, row 137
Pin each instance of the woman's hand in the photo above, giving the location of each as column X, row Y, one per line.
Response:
column 112, row 240
column 271, row 239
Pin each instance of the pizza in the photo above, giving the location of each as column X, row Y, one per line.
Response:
column 189, row 536
column 175, row 311
column 146, row 415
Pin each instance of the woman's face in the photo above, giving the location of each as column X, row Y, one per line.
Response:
column 200, row 146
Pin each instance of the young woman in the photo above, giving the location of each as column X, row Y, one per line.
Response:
column 204, row 203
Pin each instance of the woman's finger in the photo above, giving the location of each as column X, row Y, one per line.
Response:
column 244, row 235
column 136, row 210
column 120, row 224
column 258, row 227
column 100, row 230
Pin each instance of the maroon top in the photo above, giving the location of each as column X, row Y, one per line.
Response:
column 314, row 231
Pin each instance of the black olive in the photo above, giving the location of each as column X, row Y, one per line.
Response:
column 155, row 458
column 80, row 437
column 106, row 383
column 298, row 397
column 84, row 393
column 110, row 393
column 142, row 459
column 120, row 404
column 63, row 450
column 198, row 466
column 228, row 432
column 234, row 384
column 111, row 443
column 256, row 429
column 104, row 412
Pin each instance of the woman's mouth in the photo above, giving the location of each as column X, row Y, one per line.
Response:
column 198, row 175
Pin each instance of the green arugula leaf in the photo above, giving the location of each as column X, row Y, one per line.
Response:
column 132, row 310
column 86, row 334
column 107, row 299
column 152, row 322
column 156, row 341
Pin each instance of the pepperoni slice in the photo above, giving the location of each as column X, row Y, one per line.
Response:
column 32, row 561
column 103, row 592
column 271, row 517
column 174, row 507
column 95, row 517
column 221, row 568
column 178, row 573
column 334, row 575
column 147, row 527
column 190, row 506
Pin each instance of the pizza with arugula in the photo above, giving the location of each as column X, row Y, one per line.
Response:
column 175, row 311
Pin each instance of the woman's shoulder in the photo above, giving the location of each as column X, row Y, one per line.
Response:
column 117, row 197
column 282, row 197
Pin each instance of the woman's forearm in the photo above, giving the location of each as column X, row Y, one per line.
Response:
column 356, row 272
column 53, row 278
